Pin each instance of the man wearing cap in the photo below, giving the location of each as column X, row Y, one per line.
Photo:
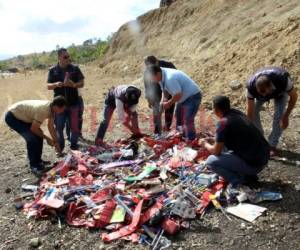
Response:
column 26, row 118
column 123, row 98
column 267, row 84
column 153, row 94
column 65, row 79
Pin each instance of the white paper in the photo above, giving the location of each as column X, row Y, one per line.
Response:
column 246, row 211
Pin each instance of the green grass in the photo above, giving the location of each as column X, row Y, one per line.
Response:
column 89, row 51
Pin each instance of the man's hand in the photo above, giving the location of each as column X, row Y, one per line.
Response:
column 167, row 105
column 202, row 142
column 59, row 84
column 284, row 122
column 69, row 84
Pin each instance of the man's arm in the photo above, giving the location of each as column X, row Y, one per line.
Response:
column 51, row 86
column 52, row 132
column 250, row 109
column 124, row 119
column 36, row 129
column 215, row 148
column 176, row 92
column 284, row 122
column 51, row 81
column 79, row 82
column 130, row 127
column 292, row 101
column 172, row 101
column 74, row 85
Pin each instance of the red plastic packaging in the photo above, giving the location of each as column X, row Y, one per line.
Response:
column 171, row 226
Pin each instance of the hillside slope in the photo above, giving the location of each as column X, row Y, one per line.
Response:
column 215, row 41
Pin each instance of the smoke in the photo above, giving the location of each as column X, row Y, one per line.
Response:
column 138, row 37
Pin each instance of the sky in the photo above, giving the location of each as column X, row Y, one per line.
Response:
column 29, row 26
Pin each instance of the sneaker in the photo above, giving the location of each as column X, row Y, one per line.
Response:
column 157, row 136
column 179, row 129
column 38, row 170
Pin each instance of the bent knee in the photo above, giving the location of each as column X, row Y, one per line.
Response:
column 212, row 161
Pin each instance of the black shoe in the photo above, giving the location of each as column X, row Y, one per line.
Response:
column 251, row 179
column 45, row 162
column 74, row 147
column 38, row 171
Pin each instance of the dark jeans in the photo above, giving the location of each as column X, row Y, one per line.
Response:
column 107, row 115
column 71, row 115
column 185, row 115
column 231, row 167
column 34, row 143
column 80, row 118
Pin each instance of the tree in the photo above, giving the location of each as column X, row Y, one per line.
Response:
column 3, row 65
column 88, row 42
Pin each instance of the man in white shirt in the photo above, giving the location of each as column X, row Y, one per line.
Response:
column 123, row 98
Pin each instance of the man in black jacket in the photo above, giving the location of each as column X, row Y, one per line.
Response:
column 65, row 79
column 153, row 94
column 247, row 151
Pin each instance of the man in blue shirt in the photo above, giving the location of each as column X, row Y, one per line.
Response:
column 184, row 91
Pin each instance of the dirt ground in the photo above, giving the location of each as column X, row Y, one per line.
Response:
column 279, row 228
column 215, row 42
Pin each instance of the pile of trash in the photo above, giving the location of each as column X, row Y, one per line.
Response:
column 138, row 191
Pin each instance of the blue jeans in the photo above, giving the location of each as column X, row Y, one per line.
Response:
column 107, row 115
column 185, row 115
column 231, row 167
column 279, row 109
column 157, row 116
column 34, row 143
column 70, row 114
column 80, row 118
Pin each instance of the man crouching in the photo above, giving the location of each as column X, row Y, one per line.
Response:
column 240, row 150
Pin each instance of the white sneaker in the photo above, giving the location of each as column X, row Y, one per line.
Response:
column 157, row 136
